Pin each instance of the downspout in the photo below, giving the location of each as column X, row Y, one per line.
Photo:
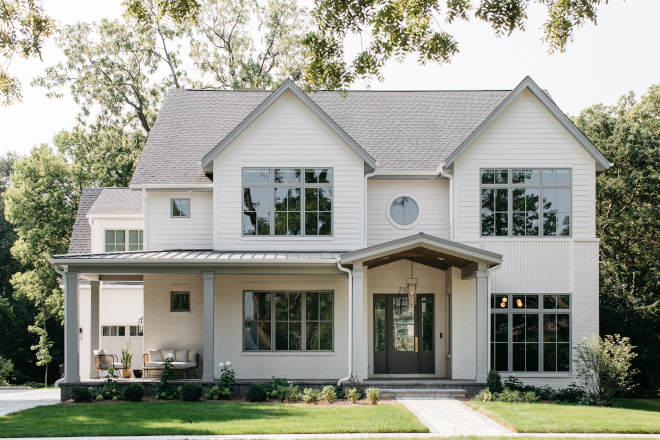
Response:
column 366, row 207
column 145, row 236
column 61, row 272
column 451, row 200
column 350, row 323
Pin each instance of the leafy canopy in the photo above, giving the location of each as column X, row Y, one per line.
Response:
column 24, row 26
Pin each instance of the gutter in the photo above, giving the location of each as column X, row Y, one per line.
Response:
column 451, row 200
column 366, row 206
column 350, row 322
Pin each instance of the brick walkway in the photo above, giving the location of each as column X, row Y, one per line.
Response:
column 449, row 417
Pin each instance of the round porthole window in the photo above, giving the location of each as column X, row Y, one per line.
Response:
column 404, row 211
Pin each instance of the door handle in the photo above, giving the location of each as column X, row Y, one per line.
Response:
column 416, row 344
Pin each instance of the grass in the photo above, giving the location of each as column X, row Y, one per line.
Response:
column 204, row 418
column 624, row 416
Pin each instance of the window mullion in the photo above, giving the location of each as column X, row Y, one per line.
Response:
column 303, row 320
column 273, row 321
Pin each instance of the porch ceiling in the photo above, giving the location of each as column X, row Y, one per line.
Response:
column 428, row 257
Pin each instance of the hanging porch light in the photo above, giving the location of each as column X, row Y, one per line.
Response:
column 411, row 286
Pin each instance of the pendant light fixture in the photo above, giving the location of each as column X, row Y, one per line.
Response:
column 411, row 283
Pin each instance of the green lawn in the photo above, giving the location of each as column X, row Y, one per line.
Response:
column 199, row 418
column 624, row 416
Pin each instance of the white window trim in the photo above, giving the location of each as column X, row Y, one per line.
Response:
column 126, row 243
column 172, row 206
column 388, row 207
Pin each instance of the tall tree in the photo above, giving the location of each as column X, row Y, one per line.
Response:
column 23, row 28
column 628, row 224
column 42, row 202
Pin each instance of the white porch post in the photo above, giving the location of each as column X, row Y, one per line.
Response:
column 482, row 322
column 71, row 326
column 360, row 360
column 209, row 358
column 94, row 331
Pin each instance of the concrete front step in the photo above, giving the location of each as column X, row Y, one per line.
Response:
column 420, row 392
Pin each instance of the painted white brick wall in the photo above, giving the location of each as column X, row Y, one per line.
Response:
column 164, row 329
column 464, row 321
column 228, row 327
column 388, row 279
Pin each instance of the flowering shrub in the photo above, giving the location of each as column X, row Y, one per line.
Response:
column 165, row 390
column 227, row 376
column 215, row 393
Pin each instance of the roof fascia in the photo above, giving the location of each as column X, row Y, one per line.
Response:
column 184, row 187
column 207, row 161
column 602, row 163
column 455, row 249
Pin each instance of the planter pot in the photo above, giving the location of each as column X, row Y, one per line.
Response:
column 137, row 374
column 126, row 374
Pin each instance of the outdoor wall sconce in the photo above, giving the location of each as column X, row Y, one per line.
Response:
column 80, row 333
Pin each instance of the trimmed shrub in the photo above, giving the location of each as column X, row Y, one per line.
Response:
column 373, row 395
column 339, row 391
column 328, row 394
column 311, row 395
column 81, row 394
column 353, row 394
column 494, row 382
column 573, row 394
column 484, row 396
column 191, row 392
column 256, row 392
column 289, row 393
column 509, row 395
column 133, row 393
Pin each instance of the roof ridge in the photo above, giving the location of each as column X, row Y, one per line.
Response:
column 364, row 91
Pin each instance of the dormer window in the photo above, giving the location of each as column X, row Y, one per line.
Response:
column 287, row 201
column 120, row 240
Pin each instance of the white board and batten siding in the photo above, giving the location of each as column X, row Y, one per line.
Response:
column 166, row 232
column 288, row 134
column 430, row 196
column 526, row 135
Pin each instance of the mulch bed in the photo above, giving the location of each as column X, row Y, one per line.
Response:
column 241, row 398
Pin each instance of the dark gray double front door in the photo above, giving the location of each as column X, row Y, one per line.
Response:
column 403, row 335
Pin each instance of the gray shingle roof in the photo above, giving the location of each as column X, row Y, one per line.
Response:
column 81, row 237
column 404, row 131
column 117, row 201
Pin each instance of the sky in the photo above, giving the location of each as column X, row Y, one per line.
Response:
column 604, row 62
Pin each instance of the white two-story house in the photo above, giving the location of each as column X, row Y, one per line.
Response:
column 384, row 234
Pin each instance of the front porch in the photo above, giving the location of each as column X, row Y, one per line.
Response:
column 297, row 315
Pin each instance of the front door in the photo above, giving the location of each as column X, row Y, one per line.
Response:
column 403, row 335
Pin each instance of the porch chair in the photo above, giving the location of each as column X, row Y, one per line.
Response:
column 103, row 361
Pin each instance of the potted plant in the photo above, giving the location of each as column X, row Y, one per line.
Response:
column 126, row 360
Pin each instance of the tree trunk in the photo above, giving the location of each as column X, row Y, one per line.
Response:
column 46, row 377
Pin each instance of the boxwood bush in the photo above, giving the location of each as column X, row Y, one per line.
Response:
column 81, row 394
column 256, row 392
column 133, row 393
column 191, row 392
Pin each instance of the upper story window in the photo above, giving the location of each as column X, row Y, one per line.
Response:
column 525, row 202
column 287, row 201
column 404, row 211
column 181, row 208
column 119, row 240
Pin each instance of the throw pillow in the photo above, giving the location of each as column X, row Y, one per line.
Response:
column 192, row 355
column 155, row 355
column 181, row 356
column 167, row 351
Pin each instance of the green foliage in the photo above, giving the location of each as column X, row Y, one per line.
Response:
column 513, row 383
column 217, row 392
column 373, row 395
column 494, row 382
column 81, row 394
column 6, row 367
column 341, row 393
column 133, row 393
column 110, row 389
column 328, row 393
column 256, row 392
column 628, row 225
column 395, row 30
column 165, row 389
column 485, row 395
column 191, row 392
column 288, row 393
column 604, row 367
column 509, row 395
column 571, row 394
column 227, row 376
column 24, row 26
column 353, row 394
column 127, row 355
column 311, row 395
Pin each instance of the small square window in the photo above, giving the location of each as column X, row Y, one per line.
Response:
column 121, row 330
column 181, row 208
column 106, row 330
column 180, row 302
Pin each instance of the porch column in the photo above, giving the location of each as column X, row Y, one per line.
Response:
column 209, row 358
column 94, row 326
column 71, row 328
column 360, row 360
column 482, row 323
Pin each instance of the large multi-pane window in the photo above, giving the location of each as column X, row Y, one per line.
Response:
column 530, row 333
column 287, row 201
column 119, row 240
column 525, row 202
column 287, row 321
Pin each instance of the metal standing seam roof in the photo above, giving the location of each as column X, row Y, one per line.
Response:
column 202, row 255
column 404, row 131
column 117, row 201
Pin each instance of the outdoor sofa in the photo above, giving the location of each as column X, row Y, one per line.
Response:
column 184, row 359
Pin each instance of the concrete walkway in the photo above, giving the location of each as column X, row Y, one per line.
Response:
column 449, row 417
column 16, row 400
